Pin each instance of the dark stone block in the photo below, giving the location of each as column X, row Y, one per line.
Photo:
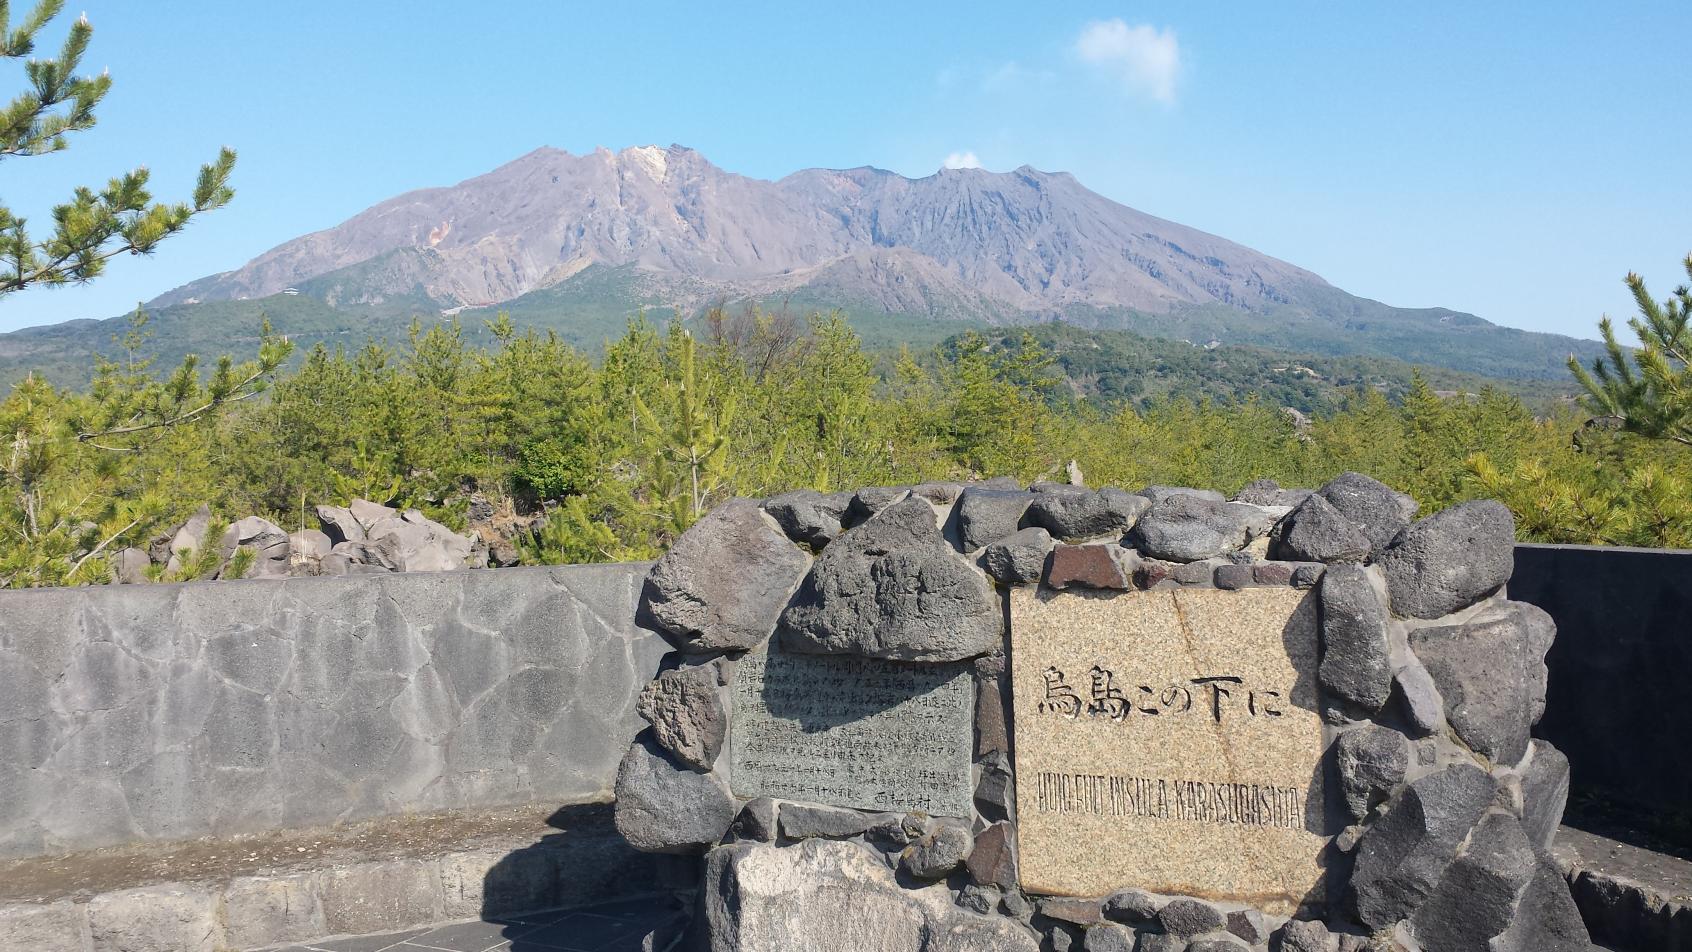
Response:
column 993, row 860
column 1087, row 566
column 1372, row 761
column 1481, row 670
column 666, row 808
column 1475, row 900
column 1190, row 528
column 1019, row 558
column 689, row 595
column 987, row 515
column 1077, row 513
column 1450, row 560
column 1316, row 532
column 1190, row 917
column 804, row 821
column 1355, row 666
column 808, row 516
column 1545, row 792
column 1234, row 577
column 1375, row 508
column 1403, row 855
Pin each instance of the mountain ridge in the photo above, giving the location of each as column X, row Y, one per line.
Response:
column 577, row 243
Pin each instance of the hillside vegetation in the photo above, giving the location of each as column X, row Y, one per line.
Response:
column 627, row 450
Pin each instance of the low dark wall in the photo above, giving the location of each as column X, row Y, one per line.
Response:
column 1620, row 700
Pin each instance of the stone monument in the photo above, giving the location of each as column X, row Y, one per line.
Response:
column 987, row 717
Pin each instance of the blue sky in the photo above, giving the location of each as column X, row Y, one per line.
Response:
column 1514, row 160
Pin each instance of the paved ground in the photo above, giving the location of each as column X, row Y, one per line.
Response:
column 649, row 925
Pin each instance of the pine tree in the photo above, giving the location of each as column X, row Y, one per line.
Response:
column 94, row 225
column 1656, row 399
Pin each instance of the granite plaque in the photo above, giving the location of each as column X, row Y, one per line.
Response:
column 1170, row 741
column 853, row 732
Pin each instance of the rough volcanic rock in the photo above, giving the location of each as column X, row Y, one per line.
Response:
column 825, row 896
column 1419, row 695
column 1355, row 665
column 1451, row 559
column 666, row 808
column 938, row 853
column 1316, row 532
column 1109, row 937
column 1190, row 917
column 1546, row 918
column 1132, row 906
column 1545, row 794
column 1075, row 513
column 724, row 583
column 893, row 588
column 1158, row 494
column 1541, row 631
column 1403, row 855
column 1481, row 670
column 1089, row 566
column 1305, row 935
column 756, row 821
column 339, row 525
column 1190, row 528
column 801, row 821
column 686, row 710
column 1372, row 761
column 1267, row 492
column 987, row 515
column 809, row 517
column 186, row 541
column 129, row 566
column 993, row 859
column 870, row 500
column 1476, row 898
column 1374, row 507
column 268, row 542
column 1019, row 558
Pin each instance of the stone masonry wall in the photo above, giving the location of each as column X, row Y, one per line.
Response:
column 164, row 712
column 1441, row 808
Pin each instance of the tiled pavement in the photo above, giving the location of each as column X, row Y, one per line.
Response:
column 638, row 925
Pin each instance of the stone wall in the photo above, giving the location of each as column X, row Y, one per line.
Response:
column 1293, row 720
column 164, row 712
column 1619, row 698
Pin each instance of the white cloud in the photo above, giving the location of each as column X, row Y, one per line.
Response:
column 1144, row 59
column 961, row 160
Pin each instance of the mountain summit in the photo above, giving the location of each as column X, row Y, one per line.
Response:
column 1024, row 243
column 578, row 243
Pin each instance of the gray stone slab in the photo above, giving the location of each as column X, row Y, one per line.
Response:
column 853, row 732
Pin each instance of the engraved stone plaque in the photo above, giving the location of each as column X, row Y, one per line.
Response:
column 1170, row 741
column 853, row 732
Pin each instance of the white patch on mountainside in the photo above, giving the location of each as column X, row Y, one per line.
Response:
column 1025, row 242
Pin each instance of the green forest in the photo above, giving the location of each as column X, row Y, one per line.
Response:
column 625, row 450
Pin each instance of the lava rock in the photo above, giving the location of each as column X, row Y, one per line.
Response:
column 1109, row 937
column 722, row 585
column 129, row 566
column 1450, row 560
column 1020, row 558
column 1419, row 698
column 686, row 710
column 1158, row 494
column 1221, row 943
column 1355, row 666
column 1475, row 900
column 1316, row 532
column 1480, row 669
column 940, row 494
column 1074, row 513
column 808, row 516
column 978, row 898
column 993, row 859
column 665, row 808
column 1233, row 577
column 870, row 500
column 1545, row 793
column 823, row 896
column 801, row 822
column 1404, row 854
column 986, row 515
column 1546, row 918
column 1273, row 573
column 1267, row 492
column 1541, row 632
column 893, row 588
column 339, row 525
column 185, row 542
column 1160, row 942
column 1190, row 528
column 1250, row 925
column 1088, row 566
column 1305, row 935
column 1372, row 761
column 1190, row 917
column 1308, row 575
column 1132, row 906
column 1081, row 912
column 1374, row 507
column 267, row 541
column 935, row 856
column 756, row 821
column 994, row 794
